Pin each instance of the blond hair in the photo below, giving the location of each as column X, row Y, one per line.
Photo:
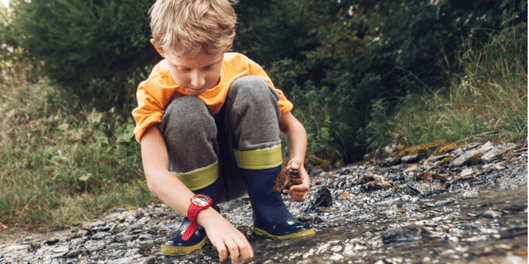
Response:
column 188, row 26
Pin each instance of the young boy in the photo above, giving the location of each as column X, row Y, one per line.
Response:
column 208, row 123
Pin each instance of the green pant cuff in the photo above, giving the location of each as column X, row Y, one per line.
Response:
column 259, row 159
column 201, row 178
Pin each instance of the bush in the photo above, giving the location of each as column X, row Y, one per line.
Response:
column 96, row 50
column 371, row 54
column 487, row 100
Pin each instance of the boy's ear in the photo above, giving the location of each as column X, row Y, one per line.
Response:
column 156, row 47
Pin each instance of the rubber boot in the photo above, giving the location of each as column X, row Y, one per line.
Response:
column 272, row 218
column 176, row 246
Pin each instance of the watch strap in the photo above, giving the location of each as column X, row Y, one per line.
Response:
column 192, row 213
column 190, row 230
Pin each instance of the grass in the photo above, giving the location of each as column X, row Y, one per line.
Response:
column 487, row 101
column 58, row 166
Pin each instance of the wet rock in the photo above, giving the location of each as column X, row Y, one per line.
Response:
column 466, row 172
column 60, row 251
column 486, row 153
column 412, row 168
column 94, row 245
column 52, row 241
column 100, row 235
column 492, row 213
column 430, row 176
column 391, row 162
column 378, row 185
column 322, row 197
column 410, row 158
column 427, row 188
column 81, row 233
column 493, row 153
column 76, row 253
column 10, row 249
column 405, row 234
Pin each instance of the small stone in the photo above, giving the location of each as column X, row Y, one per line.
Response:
column 75, row 253
column 492, row 214
column 149, row 260
column 82, row 233
column 100, row 235
column 144, row 237
column 427, row 188
column 412, row 168
column 405, row 234
column 323, row 197
column 60, row 251
column 466, row 172
column 14, row 248
column 52, row 241
column 93, row 245
column 444, row 202
column 503, row 246
column 34, row 246
column 410, row 158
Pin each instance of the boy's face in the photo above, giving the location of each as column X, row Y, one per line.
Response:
column 195, row 73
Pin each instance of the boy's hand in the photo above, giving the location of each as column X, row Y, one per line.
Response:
column 298, row 193
column 227, row 239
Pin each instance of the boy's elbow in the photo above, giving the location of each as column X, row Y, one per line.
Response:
column 151, row 183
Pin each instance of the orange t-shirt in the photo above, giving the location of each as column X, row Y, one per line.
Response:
column 159, row 90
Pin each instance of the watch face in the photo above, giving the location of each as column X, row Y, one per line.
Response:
column 201, row 200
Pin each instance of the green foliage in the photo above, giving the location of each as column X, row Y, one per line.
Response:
column 56, row 167
column 487, row 100
column 361, row 58
column 96, row 50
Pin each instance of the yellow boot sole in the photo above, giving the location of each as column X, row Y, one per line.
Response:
column 177, row 251
column 304, row 233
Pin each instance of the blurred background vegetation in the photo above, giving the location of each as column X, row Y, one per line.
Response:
column 361, row 74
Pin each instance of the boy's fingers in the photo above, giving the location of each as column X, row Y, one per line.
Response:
column 295, row 163
column 245, row 249
column 299, row 188
column 234, row 250
column 223, row 253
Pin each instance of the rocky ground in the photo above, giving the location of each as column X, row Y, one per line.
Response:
column 468, row 206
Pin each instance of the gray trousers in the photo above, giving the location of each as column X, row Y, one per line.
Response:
column 195, row 140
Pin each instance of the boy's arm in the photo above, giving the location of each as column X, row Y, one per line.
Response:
column 296, row 138
column 224, row 236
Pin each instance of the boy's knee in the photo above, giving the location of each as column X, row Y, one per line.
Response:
column 187, row 113
column 252, row 88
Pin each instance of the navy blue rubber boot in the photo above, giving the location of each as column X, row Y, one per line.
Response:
column 272, row 218
column 176, row 246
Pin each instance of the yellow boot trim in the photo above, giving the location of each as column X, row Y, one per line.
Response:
column 259, row 159
column 304, row 233
column 177, row 251
column 201, row 178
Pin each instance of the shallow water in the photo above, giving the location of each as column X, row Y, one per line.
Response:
column 481, row 226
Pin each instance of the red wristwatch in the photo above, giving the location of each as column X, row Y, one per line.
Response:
column 199, row 202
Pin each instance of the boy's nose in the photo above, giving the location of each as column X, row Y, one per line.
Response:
column 198, row 80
